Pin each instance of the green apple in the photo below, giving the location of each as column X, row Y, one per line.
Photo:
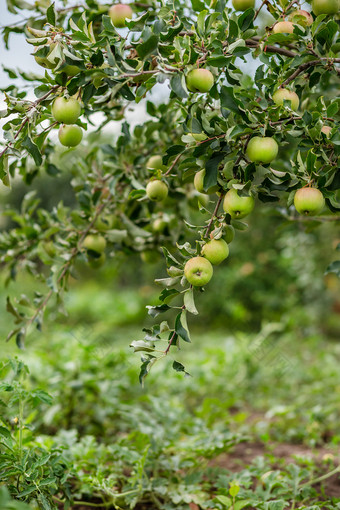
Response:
column 326, row 130
column 325, row 7
column 309, row 201
column 198, row 271
column 65, row 110
column 119, row 13
column 149, row 256
column 155, row 163
column 282, row 95
column 200, row 80
column 96, row 262
column 198, row 181
column 283, row 27
column 238, row 207
column 50, row 248
column 301, row 17
column 159, row 225
column 262, row 149
column 94, row 243
column 70, row 136
column 157, row 190
column 43, row 61
column 229, row 233
column 215, row 251
column 243, row 5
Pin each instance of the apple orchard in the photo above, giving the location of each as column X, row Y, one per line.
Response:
column 222, row 142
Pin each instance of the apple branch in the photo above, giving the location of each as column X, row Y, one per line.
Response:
column 173, row 164
column 307, row 65
column 259, row 9
column 214, row 214
column 26, row 119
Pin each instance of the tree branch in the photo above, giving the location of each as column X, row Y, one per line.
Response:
column 214, row 214
column 306, row 65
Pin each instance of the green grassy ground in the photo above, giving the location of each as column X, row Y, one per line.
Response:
column 257, row 420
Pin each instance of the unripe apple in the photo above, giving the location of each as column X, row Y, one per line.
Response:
column 198, row 181
column 159, row 225
column 95, row 243
column 229, row 233
column 70, row 136
column 262, row 149
column 155, row 163
column 325, row 7
column 326, row 130
column 303, row 18
column 119, row 13
column 309, row 201
column 157, row 190
column 238, row 207
column 243, row 5
column 215, row 251
column 96, row 262
column 198, row 271
column 200, row 80
column 43, row 61
column 283, row 27
column 65, row 110
column 289, row 95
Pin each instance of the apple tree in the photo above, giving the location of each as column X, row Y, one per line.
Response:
column 249, row 118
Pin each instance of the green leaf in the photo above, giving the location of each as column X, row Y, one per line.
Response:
column 211, row 170
column 145, row 48
column 224, row 500
column 181, row 326
column 180, row 368
column 177, row 84
column 33, row 150
column 334, row 267
column 189, row 302
column 51, row 15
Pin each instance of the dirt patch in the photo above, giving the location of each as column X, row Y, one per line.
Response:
column 244, row 453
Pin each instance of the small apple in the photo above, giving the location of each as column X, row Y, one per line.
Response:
column 119, row 13
column 43, row 61
column 229, row 233
column 283, row 27
column 96, row 262
column 103, row 222
column 262, row 149
column 198, row 271
column 159, row 225
column 155, row 163
column 198, row 181
column 149, row 256
column 50, row 248
column 326, row 130
column 300, row 17
column 325, row 7
column 215, row 251
column 309, row 201
column 157, row 190
column 200, row 80
column 243, row 5
column 65, row 110
column 238, row 207
column 289, row 95
column 95, row 243
column 70, row 136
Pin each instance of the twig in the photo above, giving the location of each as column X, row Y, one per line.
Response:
column 271, row 49
column 67, row 264
column 26, row 120
column 173, row 164
column 214, row 214
column 170, row 343
column 306, row 65
column 259, row 9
